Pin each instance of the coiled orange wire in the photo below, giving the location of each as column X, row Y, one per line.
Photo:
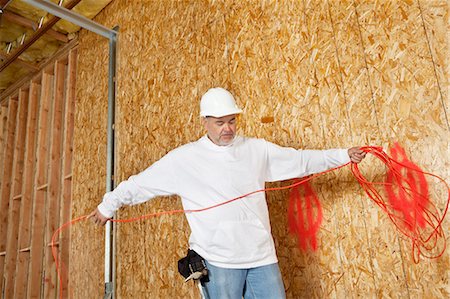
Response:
column 416, row 217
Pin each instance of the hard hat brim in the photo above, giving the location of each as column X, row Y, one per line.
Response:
column 221, row 113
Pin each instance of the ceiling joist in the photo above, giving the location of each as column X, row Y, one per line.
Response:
column 4, row 3
column 19, row 20
column 41, row 31
column 23, row 47
column 24, row 63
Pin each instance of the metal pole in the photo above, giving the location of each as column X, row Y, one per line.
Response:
column 111, row 35
column 109, row 230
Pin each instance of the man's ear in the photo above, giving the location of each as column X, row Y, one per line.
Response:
column 204, row 121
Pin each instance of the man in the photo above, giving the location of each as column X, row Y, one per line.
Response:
column 234, row 239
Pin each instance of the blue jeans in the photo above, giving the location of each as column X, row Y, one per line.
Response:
column 254, row 283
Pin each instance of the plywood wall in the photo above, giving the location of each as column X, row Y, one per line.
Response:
column 309, row 74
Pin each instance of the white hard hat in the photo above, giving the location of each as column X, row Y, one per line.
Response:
column 218, row 102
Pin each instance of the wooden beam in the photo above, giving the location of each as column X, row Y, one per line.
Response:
column 35, row 37
column 22, row 21
column 14, row 205
column 19, row 148
column 28, row 65
column 54, row 178
column 5, row 3
column 39, row 196
column 66, row 192
column 26, row 204
column 3, row 122
column 12, row 89
column 8, row 154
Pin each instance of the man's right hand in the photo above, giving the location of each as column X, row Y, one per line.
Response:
column 97, row 217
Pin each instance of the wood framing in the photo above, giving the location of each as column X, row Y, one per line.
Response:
column 3, row 119
column 18, row 19
column 35, row 75
column 41, row 31
column 23, row 253
column 15, row 194
column 21, row 62
column 54, row 179
column 39, row 196
column 5, row 3
column 6, row 181
column 66, row 191
column 36, row 132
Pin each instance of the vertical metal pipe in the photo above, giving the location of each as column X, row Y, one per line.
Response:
column 109, row 229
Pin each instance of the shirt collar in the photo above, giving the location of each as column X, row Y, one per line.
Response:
column 205, row 139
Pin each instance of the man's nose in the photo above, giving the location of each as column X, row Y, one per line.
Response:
column 227, row 127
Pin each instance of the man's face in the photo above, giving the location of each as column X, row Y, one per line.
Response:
column 221, row 130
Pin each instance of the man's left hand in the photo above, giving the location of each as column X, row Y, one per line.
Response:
column 356, row 154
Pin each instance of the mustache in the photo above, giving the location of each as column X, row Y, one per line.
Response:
column 227, row 135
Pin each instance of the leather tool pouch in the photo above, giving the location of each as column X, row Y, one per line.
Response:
column 193, row 266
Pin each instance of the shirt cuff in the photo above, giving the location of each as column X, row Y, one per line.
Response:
column 345, row 156
column 105, row 210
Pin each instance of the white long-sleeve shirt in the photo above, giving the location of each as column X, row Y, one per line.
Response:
column 238, row 234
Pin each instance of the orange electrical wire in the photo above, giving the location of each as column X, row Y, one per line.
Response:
column 417, row 236
column 421, row 223
column 55, row 253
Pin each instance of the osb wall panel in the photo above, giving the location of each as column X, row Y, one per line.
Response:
column 309, row 74
column 89, row 171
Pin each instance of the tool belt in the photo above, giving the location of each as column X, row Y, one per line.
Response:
column 193, row 266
